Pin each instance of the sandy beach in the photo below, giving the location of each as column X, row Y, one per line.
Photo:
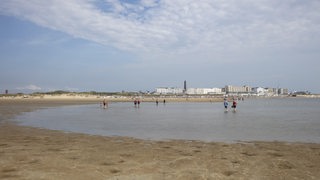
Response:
column 32, row 153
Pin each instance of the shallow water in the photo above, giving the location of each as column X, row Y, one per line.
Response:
column 291, row 120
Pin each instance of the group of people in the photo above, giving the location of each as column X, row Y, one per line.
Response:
column 226, row 104
column 137, row 103
column 157, row 102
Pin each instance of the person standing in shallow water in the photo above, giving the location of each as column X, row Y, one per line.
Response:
column 105, row 103
column 225, row 103
column 234, row 105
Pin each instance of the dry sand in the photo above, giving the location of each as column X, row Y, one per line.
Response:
column 31, row 153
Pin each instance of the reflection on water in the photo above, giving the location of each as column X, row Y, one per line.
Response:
column 256, row 119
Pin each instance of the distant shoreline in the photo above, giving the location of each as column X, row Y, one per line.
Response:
column 144, row 98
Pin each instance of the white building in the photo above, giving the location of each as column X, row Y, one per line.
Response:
column 271, row 91
column 259, row 91
column 204, row 91
column 238, row 89
column 231, row 90
column 283, row 91
column 169, row 90
column 191, row 91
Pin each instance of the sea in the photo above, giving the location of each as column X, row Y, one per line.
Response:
column 256, row 119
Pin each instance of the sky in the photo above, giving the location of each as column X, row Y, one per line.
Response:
column 139, row 45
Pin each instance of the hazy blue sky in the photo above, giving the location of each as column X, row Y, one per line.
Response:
column 114, row 45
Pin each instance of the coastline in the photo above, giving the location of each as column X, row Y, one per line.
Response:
column 32, row 153
column 66, row 98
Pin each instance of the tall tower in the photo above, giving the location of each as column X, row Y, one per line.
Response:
column 185, row 86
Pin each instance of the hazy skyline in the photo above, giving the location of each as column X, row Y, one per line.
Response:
column 115, row 45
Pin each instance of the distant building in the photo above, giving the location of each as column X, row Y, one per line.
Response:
column 204, row 91
column 6, row 92
column 190, row 91
column 271, row 91
column 185, row 90
column 283, row 91
column 238, row 89
column 169, row 90
column 228, row 89
column 259, row 91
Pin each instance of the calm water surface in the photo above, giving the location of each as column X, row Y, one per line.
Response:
column 292, row 120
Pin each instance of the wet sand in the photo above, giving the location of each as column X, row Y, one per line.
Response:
column 31, row 153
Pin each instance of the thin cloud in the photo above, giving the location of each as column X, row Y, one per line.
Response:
column 166, row 26
column 30, row 87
